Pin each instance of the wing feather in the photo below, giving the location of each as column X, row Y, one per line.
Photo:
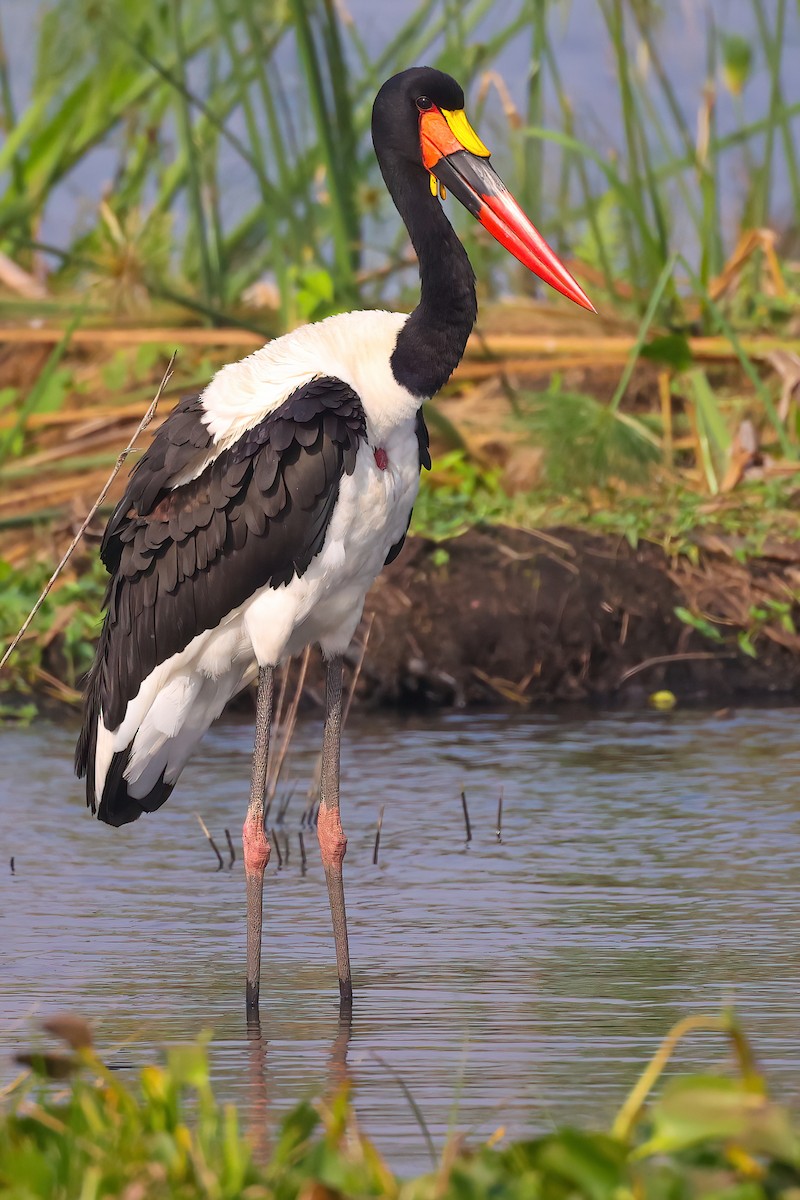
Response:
column 183, row 555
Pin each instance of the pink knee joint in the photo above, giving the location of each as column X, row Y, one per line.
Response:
column 256, row 846
column 332, row 842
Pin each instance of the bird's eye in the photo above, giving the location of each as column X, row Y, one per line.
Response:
column 424, row 104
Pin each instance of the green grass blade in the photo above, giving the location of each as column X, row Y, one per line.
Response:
column 339, row 184
column 662, row 283
column 773, row 53
column 590, row 201
column 191, row 151
column 725, row 328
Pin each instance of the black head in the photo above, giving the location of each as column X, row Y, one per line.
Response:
column 397, row 108
column 426, row 148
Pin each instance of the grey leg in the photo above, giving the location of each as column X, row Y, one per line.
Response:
column 254, row 839
column 332, row 841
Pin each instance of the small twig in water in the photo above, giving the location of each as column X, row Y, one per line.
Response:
column 13, row 872
column 230, row 848
column 211, row 841
column 302, row 853
column 500, row 816
column 285, row 803
column 377, row 838
column 145, row 421
column 466, row 816
column 277, row 846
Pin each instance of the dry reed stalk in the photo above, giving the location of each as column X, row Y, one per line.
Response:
column 188, row 336
column 711, row 348
column 356, row 673
column 56, row 688
column 49, row 498
column 95, row 445
column 480, row 345
column 471, row 371
column 100, row 414
column 145, row 421
column 291, row 721
column 18, row 280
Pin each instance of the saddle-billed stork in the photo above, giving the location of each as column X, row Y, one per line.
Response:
column 266, row 506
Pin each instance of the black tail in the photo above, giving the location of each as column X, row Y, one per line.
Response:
column 115, row 806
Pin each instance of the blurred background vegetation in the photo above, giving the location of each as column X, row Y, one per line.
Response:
column 219, row 144
column 199, row 173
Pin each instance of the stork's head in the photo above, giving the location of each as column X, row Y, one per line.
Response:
column 419, row 117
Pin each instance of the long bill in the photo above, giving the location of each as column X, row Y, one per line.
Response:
column 465, row 171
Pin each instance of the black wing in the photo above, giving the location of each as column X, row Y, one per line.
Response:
column 423, row 442
column 181, row 558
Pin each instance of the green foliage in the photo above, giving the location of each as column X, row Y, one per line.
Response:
column 224, row 173
column 456, row 496
column 698, row 622
column 46, row 395
column 586, row 443
column 166, row 1137
column 61, row 640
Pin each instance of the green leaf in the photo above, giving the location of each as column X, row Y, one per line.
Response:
column 695, row 621
column 593, row 1164
column 702, row 1108
column 746, row 644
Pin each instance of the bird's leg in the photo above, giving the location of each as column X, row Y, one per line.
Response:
column 254, row 838
column 332, row 841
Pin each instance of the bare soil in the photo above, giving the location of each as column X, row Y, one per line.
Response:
column 523, row 618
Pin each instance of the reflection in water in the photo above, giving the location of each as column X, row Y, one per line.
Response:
column 258, row 1113
column 261, row 1120
column 337, row 1064
column 648, row 869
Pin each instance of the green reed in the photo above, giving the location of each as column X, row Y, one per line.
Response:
column 226, row 174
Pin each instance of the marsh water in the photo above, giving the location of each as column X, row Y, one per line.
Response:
column 649, row 867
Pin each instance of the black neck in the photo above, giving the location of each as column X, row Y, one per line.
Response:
column 432, row 341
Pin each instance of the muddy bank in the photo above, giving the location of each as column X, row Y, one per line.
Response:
column 503, row 615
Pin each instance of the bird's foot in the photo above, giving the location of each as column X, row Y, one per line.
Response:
column 332, row 842
column 256, row 846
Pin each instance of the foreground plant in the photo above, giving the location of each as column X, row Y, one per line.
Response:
column 702, row 1135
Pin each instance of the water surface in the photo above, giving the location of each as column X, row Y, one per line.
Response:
column 648, row 868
